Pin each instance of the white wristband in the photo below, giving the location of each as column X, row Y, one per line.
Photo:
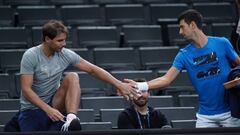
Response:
column 142, row 86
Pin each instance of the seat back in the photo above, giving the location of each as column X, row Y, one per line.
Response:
column 159, row 58
column 116, row 58
column 6, row 115
column 178, row 113
column 142, row 35
column 98, row 103
column 216, row 12
column 99, row 36
column 120, row 14
column 166, row 13
column 6, row 16
column 188, row 100
column 10, row 59
column 14, row 38
column 36, row 15
column 86, row 15
column 110, row 115
column 7, row 85
column 9, row 104
column 222, row 29
column 86, row 115
column 92, row 126
column 160, row 101
column 183, row 124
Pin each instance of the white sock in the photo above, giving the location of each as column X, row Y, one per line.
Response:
column 71, row 116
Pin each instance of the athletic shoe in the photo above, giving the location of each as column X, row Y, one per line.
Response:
column 73, row 125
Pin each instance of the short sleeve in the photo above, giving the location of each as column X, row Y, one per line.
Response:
column 178, row 61
column 27, row 63
column 73, row 57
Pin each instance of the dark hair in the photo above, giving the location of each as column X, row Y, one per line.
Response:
column 191, row 15
column 52, row 28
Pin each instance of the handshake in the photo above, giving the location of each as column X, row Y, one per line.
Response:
column 134, row 90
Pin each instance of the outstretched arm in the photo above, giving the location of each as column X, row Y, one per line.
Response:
column 159, row 82
column 124, row 88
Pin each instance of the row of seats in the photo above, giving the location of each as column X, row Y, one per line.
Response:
column 10, row 83
column 126, row 58
column 109, row 36
column 114, row 102
column 112, row 14
column 74, row 2
column 175, row 115
column 108, row 108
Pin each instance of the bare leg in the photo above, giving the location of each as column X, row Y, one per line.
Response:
column 67, row 97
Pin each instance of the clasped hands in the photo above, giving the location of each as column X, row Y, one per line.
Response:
column 130, row 90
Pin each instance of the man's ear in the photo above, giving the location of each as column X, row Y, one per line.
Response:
column 47, row 39
column 193, row 25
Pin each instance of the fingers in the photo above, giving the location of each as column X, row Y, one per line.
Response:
column 136, row 94
column 129, row 81
column 55, row 115
column 126, row 97
column 129, row 90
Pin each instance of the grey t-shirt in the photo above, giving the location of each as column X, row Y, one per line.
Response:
column 47, row 72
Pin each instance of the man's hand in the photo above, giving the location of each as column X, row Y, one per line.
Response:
column 54, row 114
column 128, row 90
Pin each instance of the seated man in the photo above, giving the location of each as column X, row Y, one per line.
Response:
column 140, row 115
column 48, row 99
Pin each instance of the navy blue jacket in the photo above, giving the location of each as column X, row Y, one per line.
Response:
column 233, row 95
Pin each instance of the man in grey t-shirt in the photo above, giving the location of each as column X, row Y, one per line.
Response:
column 46, row 95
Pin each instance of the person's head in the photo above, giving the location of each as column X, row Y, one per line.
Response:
column 143, row 99
column 54, row 33
column 189, row 21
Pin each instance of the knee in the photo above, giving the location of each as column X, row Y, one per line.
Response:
column 72, row 77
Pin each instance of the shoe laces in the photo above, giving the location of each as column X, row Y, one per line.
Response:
column 66, row 125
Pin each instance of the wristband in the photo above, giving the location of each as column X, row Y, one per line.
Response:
column 142, row 86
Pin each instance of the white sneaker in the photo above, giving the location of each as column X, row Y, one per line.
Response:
column 73, row 125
